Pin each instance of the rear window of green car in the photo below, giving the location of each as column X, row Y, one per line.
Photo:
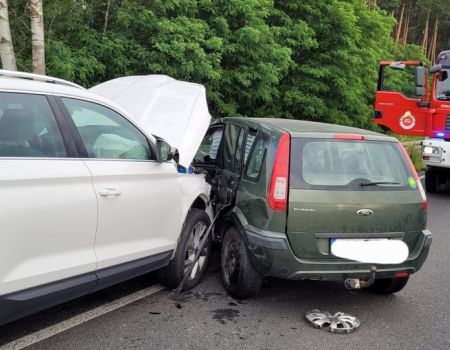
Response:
column 347, row 165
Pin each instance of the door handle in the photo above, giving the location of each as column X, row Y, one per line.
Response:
column 109, row 192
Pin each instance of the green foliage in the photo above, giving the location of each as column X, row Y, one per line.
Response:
column 302, row 59
column 415, row 154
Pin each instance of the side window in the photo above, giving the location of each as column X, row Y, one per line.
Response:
column 209, row 147
column 232, row 148
column 256, row 160
column 248, row 144
column 105, row 133
column 28, row 127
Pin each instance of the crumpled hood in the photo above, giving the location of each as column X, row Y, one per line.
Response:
column 175, row 110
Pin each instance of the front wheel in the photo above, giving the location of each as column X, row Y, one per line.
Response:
column 192, row 234
column 239, row 276
column 389, row 285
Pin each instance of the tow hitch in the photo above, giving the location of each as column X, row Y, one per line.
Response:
column 357, row 283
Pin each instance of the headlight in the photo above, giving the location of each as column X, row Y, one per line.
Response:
column 430, row 150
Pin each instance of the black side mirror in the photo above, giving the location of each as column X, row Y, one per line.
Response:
column 164, row 152
column 436, row 68
column 420, row 79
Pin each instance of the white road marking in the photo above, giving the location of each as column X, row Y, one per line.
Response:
column 77, row 320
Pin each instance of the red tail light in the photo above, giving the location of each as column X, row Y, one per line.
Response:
column 416, row 176
column 401, row 274
column 279, row 183
column 349, row 137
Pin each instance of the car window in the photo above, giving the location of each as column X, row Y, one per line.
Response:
column 232, row 148
column 28, row 127
column 248, row 144
column 209, row 147
column 256, row 159
column 105, row 133
column 346, row 164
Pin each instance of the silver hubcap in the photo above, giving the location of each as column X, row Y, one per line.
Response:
column 337, row 323
column 193, row 245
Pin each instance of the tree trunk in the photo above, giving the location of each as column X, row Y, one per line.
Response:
column 37, row 36
column 433, row 48
column 425, row 33
column 6, row 46
column 105, row 26
column 400, row 23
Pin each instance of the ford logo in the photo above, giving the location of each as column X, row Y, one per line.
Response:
column 364, row 212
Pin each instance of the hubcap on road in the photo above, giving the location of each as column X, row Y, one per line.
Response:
column 337, row 323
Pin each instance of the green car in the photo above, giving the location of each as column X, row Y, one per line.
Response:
column 304, row 200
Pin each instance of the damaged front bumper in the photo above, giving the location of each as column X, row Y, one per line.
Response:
column 272, row 255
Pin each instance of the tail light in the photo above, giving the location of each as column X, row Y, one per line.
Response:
column 279, row 183
column 349, row 137
column 416, row 177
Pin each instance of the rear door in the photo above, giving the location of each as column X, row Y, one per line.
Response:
column 139, row 199
column 331, row 180
column 49, row 209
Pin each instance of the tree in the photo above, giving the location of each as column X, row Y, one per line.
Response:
column 37, row 36
column 6, row 46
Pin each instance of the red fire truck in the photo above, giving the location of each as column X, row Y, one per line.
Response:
column 425, row 114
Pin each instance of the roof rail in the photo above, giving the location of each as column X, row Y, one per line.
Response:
column 37, row 77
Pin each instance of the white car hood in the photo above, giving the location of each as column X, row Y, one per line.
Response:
column 174, row 110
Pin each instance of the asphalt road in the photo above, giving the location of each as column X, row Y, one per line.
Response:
column 416, row 318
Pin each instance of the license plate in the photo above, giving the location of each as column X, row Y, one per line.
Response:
column 372, row 250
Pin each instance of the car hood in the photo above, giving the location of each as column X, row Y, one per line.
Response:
column 174, row 110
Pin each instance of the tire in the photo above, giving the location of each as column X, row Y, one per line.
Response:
column 389, row 285
column 195, row 226
column 239, row 276
column 432, row 181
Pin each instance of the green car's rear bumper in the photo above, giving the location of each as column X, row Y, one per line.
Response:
column 273, row 256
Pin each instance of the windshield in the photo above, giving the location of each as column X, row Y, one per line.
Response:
column 342, row 164
column 443, row 85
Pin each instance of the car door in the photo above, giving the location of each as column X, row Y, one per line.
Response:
column 49, row 209
column 230, row 159
column 139, row 199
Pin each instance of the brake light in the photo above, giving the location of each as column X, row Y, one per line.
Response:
column 416, row 177
column 349, row 137
column 278, row 190
column 401, row 274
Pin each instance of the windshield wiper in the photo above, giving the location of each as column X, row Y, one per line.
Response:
column 376, row 183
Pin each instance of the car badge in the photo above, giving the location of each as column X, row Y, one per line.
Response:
column 364, row 212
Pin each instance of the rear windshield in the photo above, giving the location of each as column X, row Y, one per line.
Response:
column 348, row 165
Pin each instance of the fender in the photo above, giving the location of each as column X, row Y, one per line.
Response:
column 195, row 194
column 259, row 257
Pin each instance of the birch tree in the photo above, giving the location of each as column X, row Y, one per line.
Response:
column 37, row 36
column 6, row 46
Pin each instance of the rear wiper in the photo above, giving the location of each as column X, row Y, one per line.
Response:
column 376, row 183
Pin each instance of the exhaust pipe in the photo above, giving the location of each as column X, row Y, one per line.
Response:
column 357, row 283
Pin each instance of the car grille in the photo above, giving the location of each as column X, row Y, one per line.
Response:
column 447, row 124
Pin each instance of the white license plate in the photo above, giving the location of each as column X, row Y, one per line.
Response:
column 376, row 250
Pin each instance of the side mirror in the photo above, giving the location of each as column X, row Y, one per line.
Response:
column 420, row 79
column 436, row 68
column 164, row 152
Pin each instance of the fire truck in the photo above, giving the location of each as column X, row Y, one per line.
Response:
column 426, row 113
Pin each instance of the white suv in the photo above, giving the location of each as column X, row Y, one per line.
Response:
column 89, row 196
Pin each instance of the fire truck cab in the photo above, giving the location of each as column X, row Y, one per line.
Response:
column 425, row 113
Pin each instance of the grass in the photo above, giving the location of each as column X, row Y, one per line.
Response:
column 415, row 154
